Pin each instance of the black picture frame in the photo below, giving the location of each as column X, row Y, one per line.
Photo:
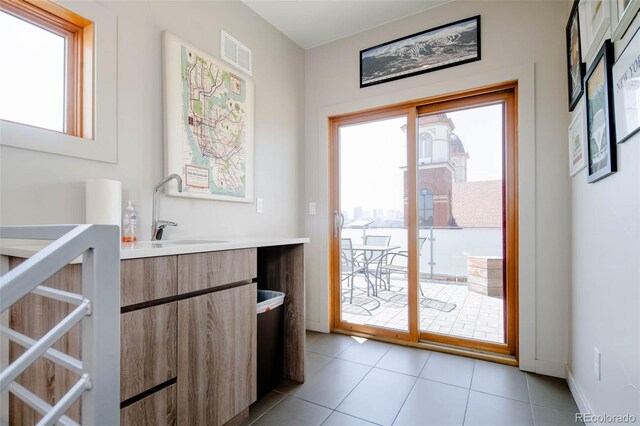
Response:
column 575, row 66
column 601, row 133
column 403, row 59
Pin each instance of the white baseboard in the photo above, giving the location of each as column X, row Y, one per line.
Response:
column 581, row 400
column 317, row 326
column 548, row 368
column 551, row 368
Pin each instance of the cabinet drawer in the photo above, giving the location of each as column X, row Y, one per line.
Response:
column 201, row 271
column 158, row 409
column 142, row 280
column 148, row 348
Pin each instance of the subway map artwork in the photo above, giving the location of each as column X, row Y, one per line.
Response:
column 215, row 128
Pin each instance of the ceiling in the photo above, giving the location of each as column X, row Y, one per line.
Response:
column 311, row 23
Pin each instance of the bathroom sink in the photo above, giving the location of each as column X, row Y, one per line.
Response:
column 142, row 245
column 181, row 242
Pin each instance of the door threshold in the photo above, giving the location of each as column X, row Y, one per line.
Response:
column 437, row 347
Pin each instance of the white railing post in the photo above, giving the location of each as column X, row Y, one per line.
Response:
column 101, row 331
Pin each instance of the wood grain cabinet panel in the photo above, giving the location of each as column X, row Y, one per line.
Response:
column 142, row 280
column 200, row 271
column 34, row 316
column 216, row 356
column 158, row 409
column 148, row 348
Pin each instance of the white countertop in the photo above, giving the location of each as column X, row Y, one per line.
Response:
column 161, row 248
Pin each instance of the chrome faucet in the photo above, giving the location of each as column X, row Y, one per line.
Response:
column 158, row 226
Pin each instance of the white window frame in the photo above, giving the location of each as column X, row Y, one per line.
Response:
column 104, row 146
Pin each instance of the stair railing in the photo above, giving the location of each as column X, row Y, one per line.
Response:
column 97, row 310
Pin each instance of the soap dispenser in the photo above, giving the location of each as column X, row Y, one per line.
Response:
column 129, row 222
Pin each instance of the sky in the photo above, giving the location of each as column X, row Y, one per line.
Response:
column 32, row 85
column 372, row 154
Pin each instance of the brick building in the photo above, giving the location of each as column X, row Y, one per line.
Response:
column 442, row 160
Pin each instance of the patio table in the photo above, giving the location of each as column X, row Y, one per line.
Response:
column 368, row 260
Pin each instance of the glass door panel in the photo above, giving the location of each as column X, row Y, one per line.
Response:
column 424, row 228
column 461, row 223
column 372, row 171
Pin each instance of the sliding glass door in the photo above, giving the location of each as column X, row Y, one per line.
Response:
column 371, row 224
column 424, row 221
column 462, row 182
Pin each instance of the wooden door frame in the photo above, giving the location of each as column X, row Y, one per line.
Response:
column 334, row 204
column 504, row 93
column 506, row 96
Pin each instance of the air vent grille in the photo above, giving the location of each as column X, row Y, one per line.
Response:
column 235, row 52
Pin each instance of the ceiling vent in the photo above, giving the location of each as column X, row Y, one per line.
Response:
column 235, row 52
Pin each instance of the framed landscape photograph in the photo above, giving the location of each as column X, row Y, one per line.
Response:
column 577, row 145
column 626, row 90
column 208, row 115
column 601, row 135
column 446, row 46
column 575, row 66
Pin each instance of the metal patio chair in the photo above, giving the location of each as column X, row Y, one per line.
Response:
column 349, row 266
column 397, row 263
column 372, row 259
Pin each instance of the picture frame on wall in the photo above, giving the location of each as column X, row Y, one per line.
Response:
column 594, row 24
column 209, row 124
column 434, row 49
column 575, row 66
column 601, row 135
column 626, row 90
column 577, row 142
column 622, row 14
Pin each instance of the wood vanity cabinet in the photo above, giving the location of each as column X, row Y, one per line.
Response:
column 188, row 335
column 188, row 330
column 148, row 340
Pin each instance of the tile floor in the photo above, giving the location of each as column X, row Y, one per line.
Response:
column 450, row 309
column 363, row 382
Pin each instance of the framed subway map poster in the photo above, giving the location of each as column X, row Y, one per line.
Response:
column 208, row 119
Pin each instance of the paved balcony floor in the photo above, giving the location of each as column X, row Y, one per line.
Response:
column 446, row 307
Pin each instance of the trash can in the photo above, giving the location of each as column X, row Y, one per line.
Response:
column 269, row 340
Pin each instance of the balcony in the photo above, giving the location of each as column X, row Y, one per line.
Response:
column 460, row 279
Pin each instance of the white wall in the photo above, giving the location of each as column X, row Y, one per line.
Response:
column 515, row 35
column 605, row 283
column 45, row 188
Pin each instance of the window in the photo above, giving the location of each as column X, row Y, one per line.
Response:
column 47, row 80
column 425, row 146
column 425, row 208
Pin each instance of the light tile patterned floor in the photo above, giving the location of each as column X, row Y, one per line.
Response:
column 446, row 308
column 398, row 385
